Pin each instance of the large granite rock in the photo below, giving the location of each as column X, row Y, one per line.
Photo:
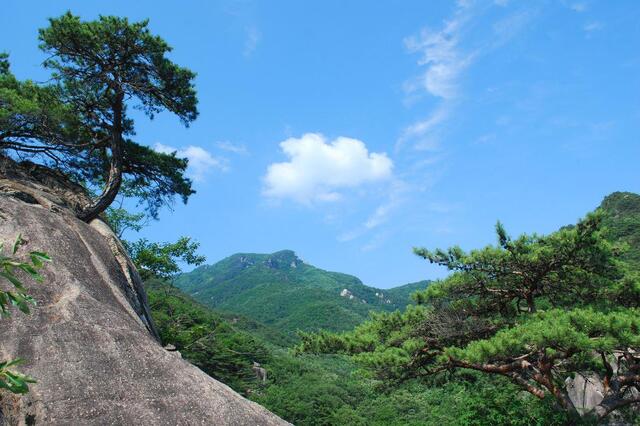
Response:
column 586, row 391
column 90, row 342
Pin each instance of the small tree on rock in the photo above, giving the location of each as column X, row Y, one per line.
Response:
column 106, row 65
column 81, row 123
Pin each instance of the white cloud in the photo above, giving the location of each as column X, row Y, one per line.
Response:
column 318, row 170
column 443, row 63
column 423, row 127
column 395, row 194
column 379, row 216
column 200, row 160
column 232, row 147
column 445, row 60
column 441, row 56
column 507, row 28
column 590, row 27
column 253, row 37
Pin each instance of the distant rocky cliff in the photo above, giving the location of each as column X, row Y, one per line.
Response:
column 90, row 342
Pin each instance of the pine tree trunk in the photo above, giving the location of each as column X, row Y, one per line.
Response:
column 114, row 181
column 531, row 303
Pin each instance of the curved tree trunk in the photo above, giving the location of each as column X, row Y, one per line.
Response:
column 114, row 181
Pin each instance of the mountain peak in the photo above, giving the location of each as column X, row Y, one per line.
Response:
column 621, row 203
column 283, row 259
column 284, row 292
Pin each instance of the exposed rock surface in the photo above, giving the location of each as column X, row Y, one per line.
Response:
column 261, row 373
column 90, row 342
column 585, row 391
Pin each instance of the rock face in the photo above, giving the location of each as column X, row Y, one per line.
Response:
column 261, row 373
column 90, row 341
column 585, row 391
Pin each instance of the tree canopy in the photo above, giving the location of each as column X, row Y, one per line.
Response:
column 536, row 310
column 161, row 259
column 81, row 123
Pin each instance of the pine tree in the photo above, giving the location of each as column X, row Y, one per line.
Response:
column 80, row 124
column 536, row 309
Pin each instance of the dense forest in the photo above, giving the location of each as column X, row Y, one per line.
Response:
column 504, row 339
column 373, row 376
column 286, row 293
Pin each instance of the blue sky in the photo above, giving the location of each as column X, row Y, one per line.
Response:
column 351, row 131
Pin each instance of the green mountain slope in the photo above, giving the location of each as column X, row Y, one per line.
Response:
column 205, row 338
column 311, row 390
column 622, row 218
column 404, row 292
column 283, row 292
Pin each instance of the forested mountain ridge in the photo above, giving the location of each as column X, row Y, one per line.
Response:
column 312, row 389
column 318, row 389
column 622, row 220
column 286, row 293
column 405, row 291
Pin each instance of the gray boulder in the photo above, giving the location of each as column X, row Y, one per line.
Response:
column 90, row 342
column 586, row 391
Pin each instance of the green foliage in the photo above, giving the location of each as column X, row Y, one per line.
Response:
column 13, row 381
column 153, row 178
column 117, row 55
column 161, row 259
column 268, row 335
column 204, row 338
column 420, row 363
column 405, row 292
column 287, row 294
column 329, row 390
column 621, row 212
column 321, row 390
column 9, row 265
column 152, row 259
column 103, row 66
column 569, row 266
column 121, row 220
column 469, row 400
column 579, row 332
column 312, row 390
column 4, row 63
column 536, row 310
column 79, row 124
column 35, row 122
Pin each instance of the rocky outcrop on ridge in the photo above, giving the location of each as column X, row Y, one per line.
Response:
column 90, row 341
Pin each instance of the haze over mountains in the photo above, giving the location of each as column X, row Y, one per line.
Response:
column 286, row 293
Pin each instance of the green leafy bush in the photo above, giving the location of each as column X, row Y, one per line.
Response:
column 9, row 265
